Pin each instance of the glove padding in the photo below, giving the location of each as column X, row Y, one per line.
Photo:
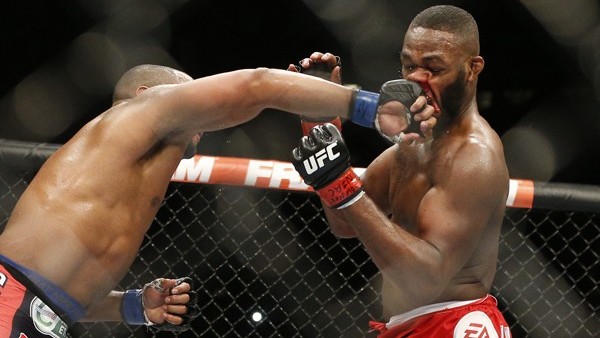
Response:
column 405, row 92
column 192, row 307
column 323, row 161
column 365, row 104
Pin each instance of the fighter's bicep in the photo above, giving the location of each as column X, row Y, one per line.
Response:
column 164, row 114
column 376, row 180
column 454, row 214
column 207, row 104
column 448, row 220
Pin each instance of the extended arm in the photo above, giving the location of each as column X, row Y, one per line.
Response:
column 229, row 99
column 106, row 310
column 174, row 113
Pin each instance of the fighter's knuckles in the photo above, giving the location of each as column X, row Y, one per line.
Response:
column 293, row 68
column 390, row 125
column 307, row 143
column 392, row 108
column 331, row 130
column 305, row 63
column 182, row 288
column 330, row 59
column 297, row 154
column 316, row 56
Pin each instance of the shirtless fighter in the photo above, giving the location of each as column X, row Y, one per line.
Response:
column 78, row 226
column 427, row 210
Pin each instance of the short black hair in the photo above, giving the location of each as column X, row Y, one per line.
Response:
column 144, row 75
column 450, row 19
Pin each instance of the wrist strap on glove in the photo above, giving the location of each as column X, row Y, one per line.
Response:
column 192, row 306
column 343, row 191
column 132, row 308
column 363, row 108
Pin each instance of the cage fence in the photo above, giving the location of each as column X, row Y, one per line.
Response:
column 266, row 265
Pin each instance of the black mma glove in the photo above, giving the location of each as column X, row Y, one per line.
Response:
column 192, row 310
column 323, row 161
column 364, row 105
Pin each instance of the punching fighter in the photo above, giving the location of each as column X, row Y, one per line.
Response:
column 78, row 226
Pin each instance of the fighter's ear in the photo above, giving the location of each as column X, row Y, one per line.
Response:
column 476, row 66
column 140, row 89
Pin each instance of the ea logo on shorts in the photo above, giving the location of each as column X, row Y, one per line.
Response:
column 3, row 279
column 475, row 324
column 46, row 321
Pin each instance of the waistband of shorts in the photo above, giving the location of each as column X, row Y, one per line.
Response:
column 436, row 307
column 65, row 306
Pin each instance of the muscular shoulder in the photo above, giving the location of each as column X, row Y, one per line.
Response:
column 380, row 167
column 474, row 160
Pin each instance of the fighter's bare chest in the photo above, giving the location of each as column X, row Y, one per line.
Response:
column 410, row 180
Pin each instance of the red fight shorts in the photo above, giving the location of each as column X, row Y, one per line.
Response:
column 469, row 319
column 23, row 315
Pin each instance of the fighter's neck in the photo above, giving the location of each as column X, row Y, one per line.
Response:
column 447, row 124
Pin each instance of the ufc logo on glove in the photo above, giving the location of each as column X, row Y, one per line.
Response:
column 323, row 162
column 316, row 161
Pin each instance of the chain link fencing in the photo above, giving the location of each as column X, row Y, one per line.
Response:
column 266, row 265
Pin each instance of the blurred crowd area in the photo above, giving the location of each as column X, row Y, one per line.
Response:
column 539, row 89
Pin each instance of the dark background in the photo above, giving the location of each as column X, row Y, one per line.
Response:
column 61, row 59
column 539, row 90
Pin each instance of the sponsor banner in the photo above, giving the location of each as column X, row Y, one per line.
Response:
column 271, row 174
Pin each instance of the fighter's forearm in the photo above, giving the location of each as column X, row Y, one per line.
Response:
column 109, row 309
column 338, row 224
column 229, row 99
column 302, row 94
column 406, row 260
